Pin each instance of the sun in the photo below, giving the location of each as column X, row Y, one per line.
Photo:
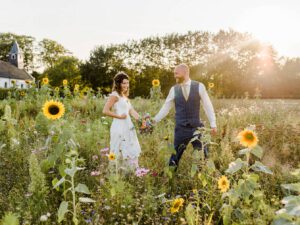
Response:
column 271, row 24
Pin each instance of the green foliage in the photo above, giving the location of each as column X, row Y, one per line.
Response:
column 229, row 59
column 50, row 52
column 238, row 64
column 68, row 180
column 4, row 93
column 10, row 219
column 126, row 199
column 37, row 202
column 204, row 200
column 155, row 93
column 42, row 123
column 64, row 67
column 101, row 68
column 245, row 203
column 14, row 159
column 290, row 213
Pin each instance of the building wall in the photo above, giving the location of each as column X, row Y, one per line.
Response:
column 19, row 83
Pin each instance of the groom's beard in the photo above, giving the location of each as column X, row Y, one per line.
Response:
column 179, row 80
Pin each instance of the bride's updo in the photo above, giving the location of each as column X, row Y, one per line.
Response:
column 118, row 79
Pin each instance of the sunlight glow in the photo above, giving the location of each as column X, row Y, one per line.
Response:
column 270, row 24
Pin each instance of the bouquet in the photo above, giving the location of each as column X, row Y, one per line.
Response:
column 145, row 124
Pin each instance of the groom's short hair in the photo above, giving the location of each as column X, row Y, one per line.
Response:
column 184, row 67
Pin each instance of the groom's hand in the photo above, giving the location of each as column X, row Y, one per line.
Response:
column 213, row 131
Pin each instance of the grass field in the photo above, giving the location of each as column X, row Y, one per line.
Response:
column 57, row 170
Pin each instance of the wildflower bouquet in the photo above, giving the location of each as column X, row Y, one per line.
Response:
column 145, row 124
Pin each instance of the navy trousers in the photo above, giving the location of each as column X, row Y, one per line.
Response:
column 183, row 136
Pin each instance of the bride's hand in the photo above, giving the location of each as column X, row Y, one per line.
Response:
column 123, row 116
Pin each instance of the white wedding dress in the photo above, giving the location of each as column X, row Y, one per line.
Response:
column 123, row 139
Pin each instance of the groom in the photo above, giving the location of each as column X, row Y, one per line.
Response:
column 186, row 96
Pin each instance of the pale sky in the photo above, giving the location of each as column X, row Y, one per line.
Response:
column 81, row 25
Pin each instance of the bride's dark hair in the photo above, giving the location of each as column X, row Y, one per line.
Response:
column 118, row 79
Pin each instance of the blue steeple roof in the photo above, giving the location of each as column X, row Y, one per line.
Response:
column 15, row 48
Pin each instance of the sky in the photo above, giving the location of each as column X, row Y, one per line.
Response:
column 81, row 25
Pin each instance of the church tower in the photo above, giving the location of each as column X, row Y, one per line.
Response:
column 15, row 56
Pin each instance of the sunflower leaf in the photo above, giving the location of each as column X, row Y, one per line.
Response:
column 80, row 168
column 86, row 200
column 197, row 132
column 190, row 213
column 194, row 170
column 283, row 219
column 56, row 183
column 63, row 208
column 259, row 167
column 211, row 165
column 71, row 171
column 235, row 166
column 194, row 139
column 292, row 204
column 257, row 151
column 82, row 188
column 292, row 187
column 244, row 151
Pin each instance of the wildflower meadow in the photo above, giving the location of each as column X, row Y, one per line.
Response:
column 57, row 168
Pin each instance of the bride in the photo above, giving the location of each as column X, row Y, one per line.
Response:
column 123, row 139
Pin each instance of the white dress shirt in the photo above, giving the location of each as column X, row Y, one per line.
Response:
column 169, row 103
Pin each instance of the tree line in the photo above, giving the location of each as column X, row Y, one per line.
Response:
column 237, row 63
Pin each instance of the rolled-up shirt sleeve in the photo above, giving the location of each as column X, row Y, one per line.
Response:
column 207, row 105
column 165, row 109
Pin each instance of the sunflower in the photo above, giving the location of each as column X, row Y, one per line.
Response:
column 176, row 204
column 22, row 93
column 13, row 81
column 111, row 156
column 248, row 138
column 223, row 184
column 56, row 89
column 76, row 88
column 53, row 110
column 155, row 83
column 65, row 82
column 28, row 81
column 211, row 85
column 85, row 90
column 45, row 80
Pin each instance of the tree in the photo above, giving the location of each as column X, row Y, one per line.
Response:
column 101, row 68
column 65, row 67
column 290, row 78
column 235, row 62
column 50, row 52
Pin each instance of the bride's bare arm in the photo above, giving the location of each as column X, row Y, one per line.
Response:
column 107, row 108
column 134, row 114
